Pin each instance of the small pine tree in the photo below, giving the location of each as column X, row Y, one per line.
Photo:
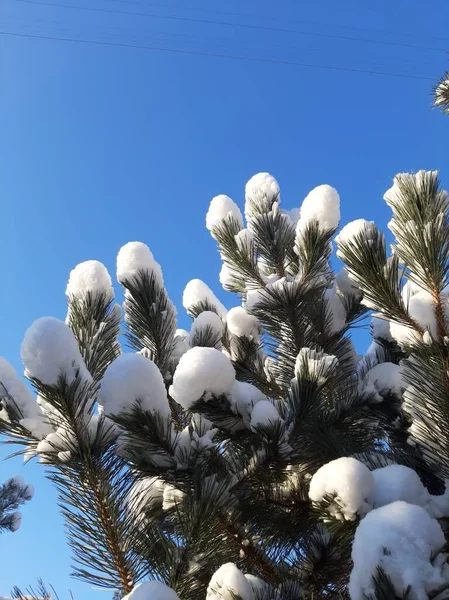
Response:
column 441, row 93
column 257, row 442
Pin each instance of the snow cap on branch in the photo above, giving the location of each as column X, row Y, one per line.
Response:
column 261, row 191
column 242, row 324
column 220, row 208
column 397, row 482
column 135, row 257
column 322, row 204
column 421, row 307
column 196, row 292
column 207, row 320
column 144, row 494
column 92, row 277
column 352, row 230
column 401, row 539
column 227, row 582
column 16, row 388
column 384, row 378
column 243, row 397
column 380, row 328
column 49, row 350
column 352, row 484
column 152, row 590
column 201, row 370
column 264, row 414
column 130, row 378
column 315, row 365
column 441, row 94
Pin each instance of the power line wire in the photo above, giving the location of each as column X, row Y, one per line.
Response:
column 216, row 55
column 304, row 22
column 226, row 23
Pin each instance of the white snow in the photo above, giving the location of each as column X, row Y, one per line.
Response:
column 262, row 190
column 227, row 277
column 397, row 482
column 421, row 308
column 351, row 230
column 322, row 204
column 256, row 583
column 320, row 366
column 253, row 298
column 180, row 344
column 17, row 389
column 264, row 414
column 50, row 350
column 381, row 328
column 197, row 291
column 345, row 284
column 220, row 208
column 135, row 257
column 336, row 310
column 210, row 320
column 229, row 580
column 352, row 484
column 90, row 276
column 131, row 378
column 383, row 378
column 144, row 494
column 242, row 324
column 151, row 590
column 400, row 538
column 410, row 289
column 243, row 397
column 201, row 370
column 171, row 497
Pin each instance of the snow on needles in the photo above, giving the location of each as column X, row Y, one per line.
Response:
column 242, row 324
column 151, row 590
column 132, row 378
column 17, row 389
column 220, row 208
column 49, row 350
column 92, row 277
column 135, row 257
column 352, row 484
column 322, row 205
column 397, row 482
column 201, row 370
column 227, row 582
column 261, row 191
column 195, row 292
column 384, row 378
column 264, row 414
column 400, row 538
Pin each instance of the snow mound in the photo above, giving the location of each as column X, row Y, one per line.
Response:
column 144, row 494
column 352, row 484
column 227, row 582
column 421, row 308
column 397, row 482
column 197, row 291
column 135, row 257
column 49, row 350
column 90, row 276
column 207, row 320
column 315, row 365
column 264, row 414
column 384, row 378
column 399, row 538
column 221, row 207
column 131, row 378
column 352, row 230
column 242, row 324
column 151, row 590
column 322, row 204
column 261, row 191
column 201, row 370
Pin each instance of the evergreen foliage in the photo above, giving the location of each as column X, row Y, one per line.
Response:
column 256, row 442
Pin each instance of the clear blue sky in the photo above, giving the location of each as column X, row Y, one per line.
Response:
column 104, row 144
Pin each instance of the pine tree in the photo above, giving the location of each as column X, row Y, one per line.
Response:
column 441, row 93
column 238, row 460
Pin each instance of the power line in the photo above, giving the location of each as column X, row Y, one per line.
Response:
column 304, row 22
column 216, row 55
column 226, row 23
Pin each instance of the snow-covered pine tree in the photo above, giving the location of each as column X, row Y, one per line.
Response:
column 250, row 443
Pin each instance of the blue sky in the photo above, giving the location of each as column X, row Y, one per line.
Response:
column 104, row 144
